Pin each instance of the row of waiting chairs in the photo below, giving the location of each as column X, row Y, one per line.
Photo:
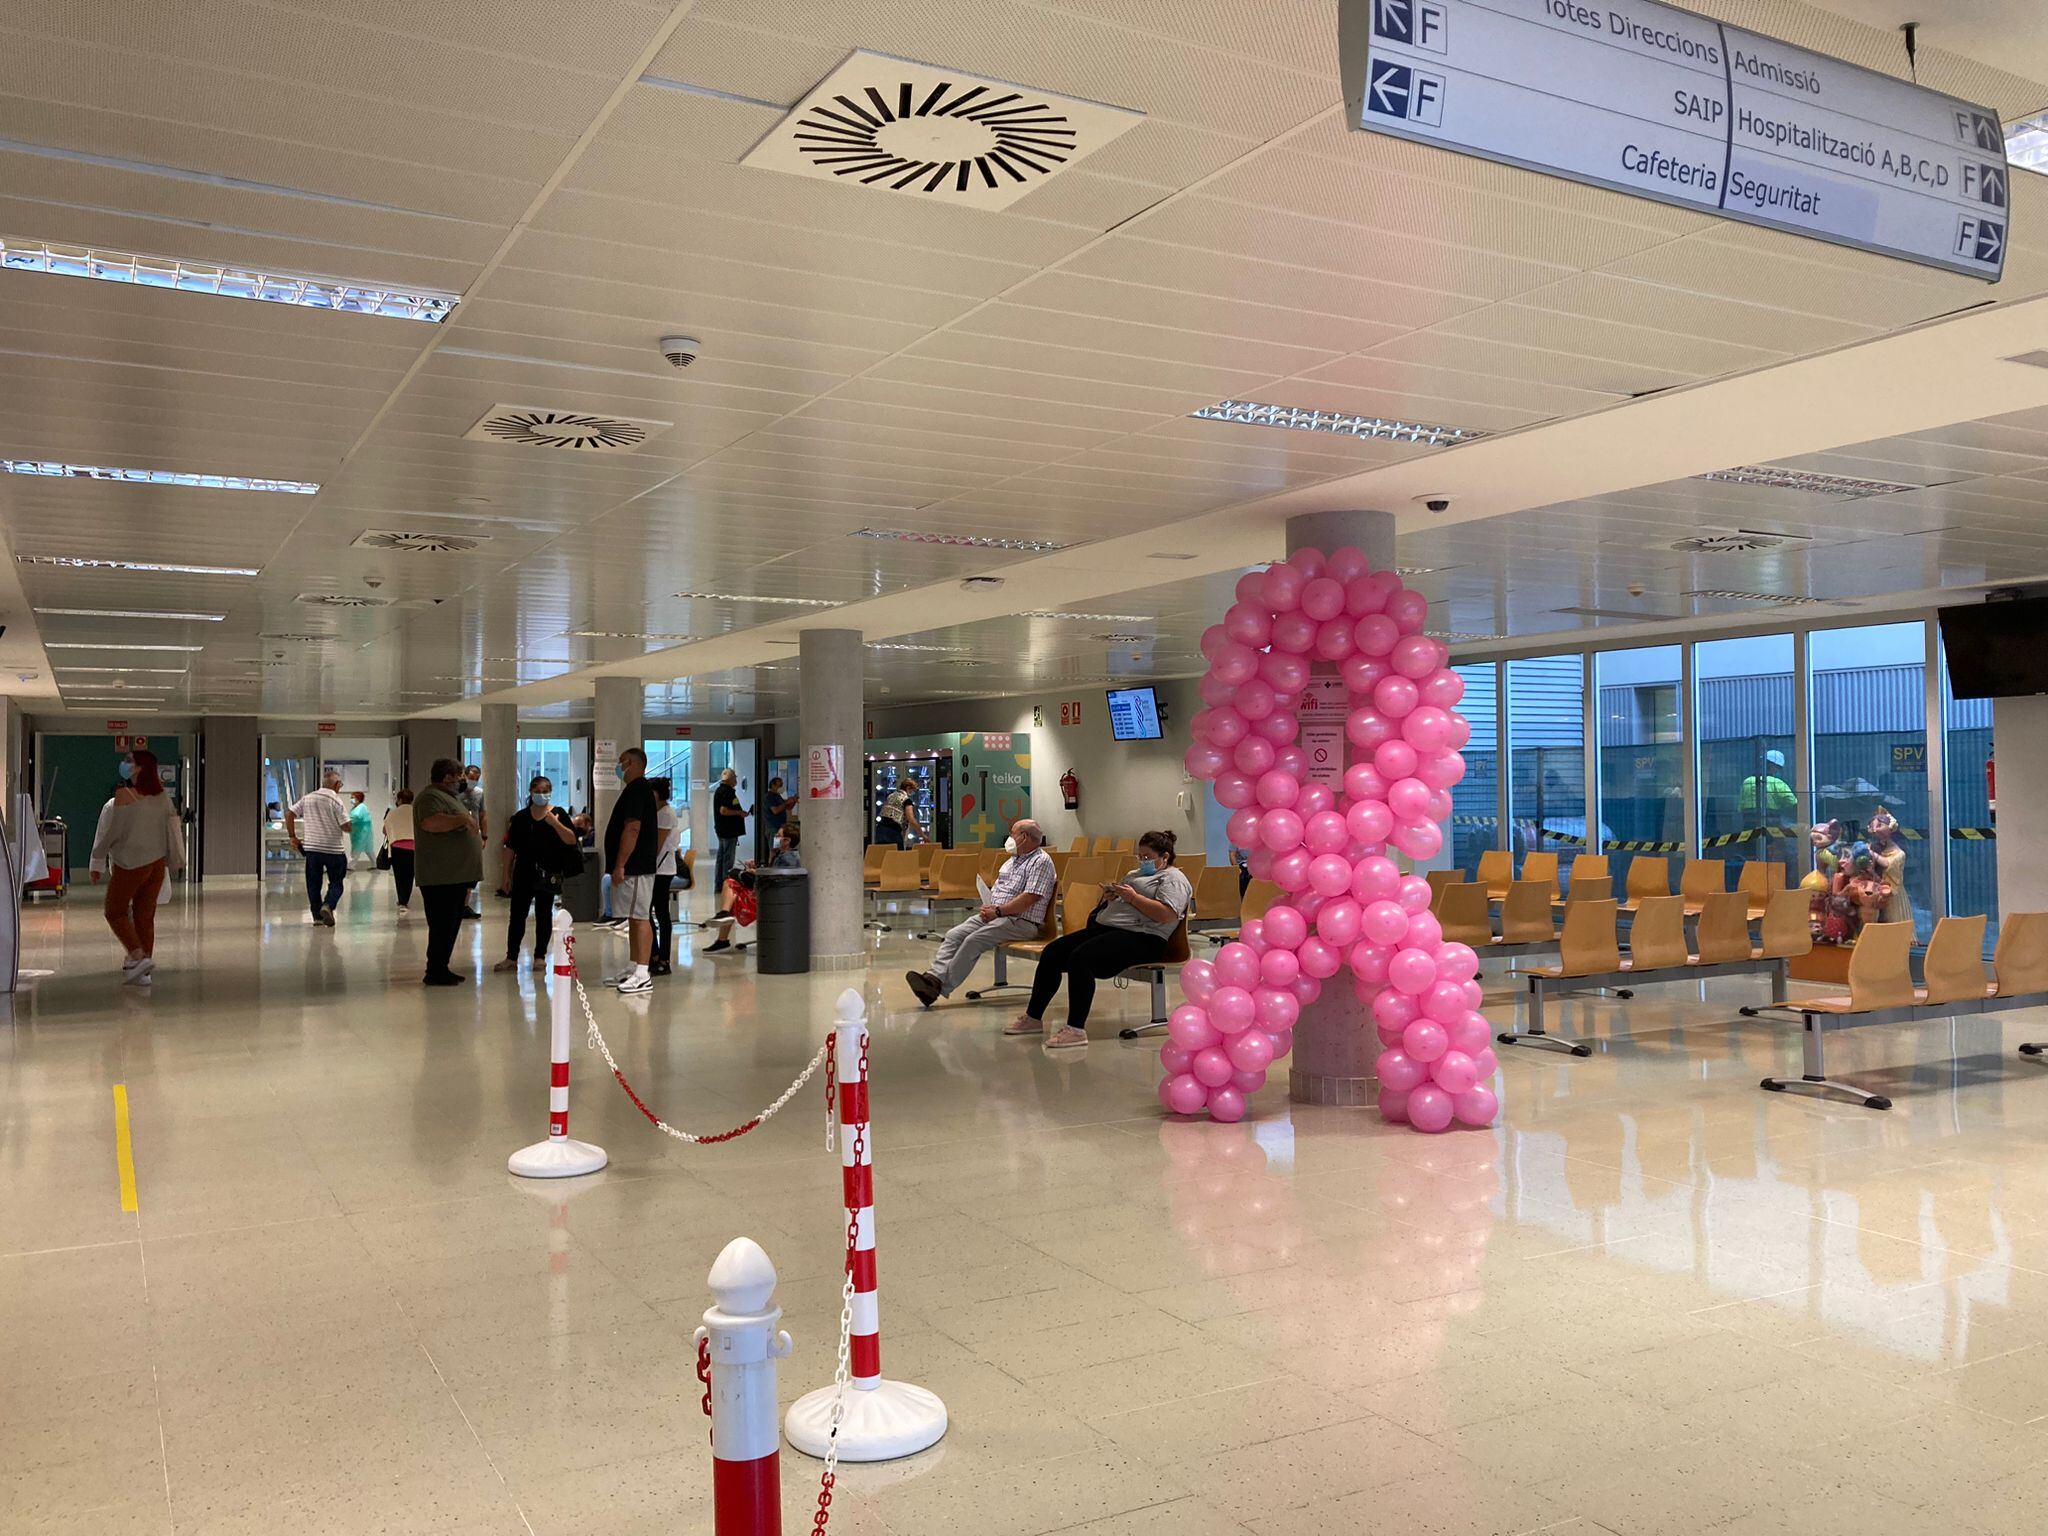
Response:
column 1649, row 876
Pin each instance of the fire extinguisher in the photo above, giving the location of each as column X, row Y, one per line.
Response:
column 1070, row 790
column 1991, row 782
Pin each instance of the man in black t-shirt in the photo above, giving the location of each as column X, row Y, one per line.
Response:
column 728, row 825
column 632, row 848
column 540, row 848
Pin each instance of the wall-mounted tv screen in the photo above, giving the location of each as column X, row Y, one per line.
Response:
column 1994, row 649
column 1134, row 714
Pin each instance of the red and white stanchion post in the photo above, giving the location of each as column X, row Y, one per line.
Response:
column 559, row 1157
column 880, row 1420
column 736, row 1353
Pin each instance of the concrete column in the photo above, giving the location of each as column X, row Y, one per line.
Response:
column 2019, row 733
column 829, row 710
column 426, row 740
column 1334, row 1043
column 618, row 722
column 231, row 797
column 503, row 793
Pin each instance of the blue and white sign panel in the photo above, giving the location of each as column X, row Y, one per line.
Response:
column 1661, row 103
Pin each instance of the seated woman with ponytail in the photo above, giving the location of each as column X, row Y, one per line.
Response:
column 1131, row 927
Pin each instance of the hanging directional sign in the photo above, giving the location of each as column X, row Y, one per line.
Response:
column 1661, row 103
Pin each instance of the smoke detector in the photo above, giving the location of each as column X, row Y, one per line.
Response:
column 529, row 426
column 896, row 126
column 681, row 351
column 401, row 542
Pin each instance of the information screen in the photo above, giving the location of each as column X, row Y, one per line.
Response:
column 1134, row 714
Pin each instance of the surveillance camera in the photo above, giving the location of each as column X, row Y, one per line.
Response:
column 1436, row 503
column 681, row 351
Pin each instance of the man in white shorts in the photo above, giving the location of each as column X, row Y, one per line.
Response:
column 632, row 849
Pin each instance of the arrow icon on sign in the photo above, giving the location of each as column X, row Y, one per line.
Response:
column 1389, row 90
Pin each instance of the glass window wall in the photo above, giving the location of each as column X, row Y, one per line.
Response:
column 1642, row 757
column 1750, row 806
column 1547, row 755
column 1475, row 799
column 1967, row 770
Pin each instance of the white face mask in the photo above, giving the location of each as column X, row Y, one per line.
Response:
column 1010, row 845
column 543, row 801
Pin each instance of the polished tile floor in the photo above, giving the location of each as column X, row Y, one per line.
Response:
column 1653, row 1300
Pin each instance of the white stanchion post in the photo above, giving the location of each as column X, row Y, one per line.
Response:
column 559, row 1157
column 881, row 1419
column 739, row 1343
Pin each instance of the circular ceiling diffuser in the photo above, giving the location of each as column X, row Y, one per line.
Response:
column 950, row 138
column 563, row 429
column 1727, row 544
column 403, row 543
column 342, row 600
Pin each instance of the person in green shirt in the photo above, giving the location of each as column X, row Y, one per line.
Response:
column 448, row 860
column 1770, row 801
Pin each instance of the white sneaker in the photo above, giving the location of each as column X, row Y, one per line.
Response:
column 636, row 981
column 136, row 973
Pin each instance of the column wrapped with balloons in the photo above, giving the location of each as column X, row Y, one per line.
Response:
column 1344, row 903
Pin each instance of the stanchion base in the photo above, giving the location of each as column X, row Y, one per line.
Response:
column 556, row 1158
column 894, row 1420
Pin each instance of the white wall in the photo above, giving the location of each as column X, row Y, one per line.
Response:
column 381, row 753
column 2020, row 727
column 1127, row 787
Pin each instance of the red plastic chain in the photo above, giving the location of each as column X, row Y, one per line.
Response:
column 704, row 1372
column 860, row 1142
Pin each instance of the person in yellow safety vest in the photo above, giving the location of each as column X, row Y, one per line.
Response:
column 1770, row 799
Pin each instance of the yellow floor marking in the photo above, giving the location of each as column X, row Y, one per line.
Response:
column 124, row 1148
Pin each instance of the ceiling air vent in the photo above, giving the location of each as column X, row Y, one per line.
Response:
column 341, row 600
column 403, row 543
column 896, row 126
column 529, row 426
column 289, row 637
column 1740, row 542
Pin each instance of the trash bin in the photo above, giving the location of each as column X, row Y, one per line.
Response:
column 583, row 892
column 784, row 945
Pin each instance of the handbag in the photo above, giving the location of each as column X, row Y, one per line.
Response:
column 384, row 857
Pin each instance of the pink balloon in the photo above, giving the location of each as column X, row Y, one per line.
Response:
column 1185, row 1093
column 1259, row 861
column 1248, row 1082
column 1471, row 1034
column 1475, row 1106
column 1408, row 799
column 1393, row 1107
column 1425, row 933
column 1369, row 822
column 1414, row 656
column 1362, row 673
column 1486, row 1062
column 1212, row 1067
column 1315, row 799
column 1243, row 828
column 1251, row 588
column 1294, row 632
column 1367, row 728
column 1413, row 893
column 1282, row 588
column 1410, row 610
column 1280, row 726
column 1384, row 922
column 1307, row 903
column 1395, row 1010
column 1319, row 961
column 1425, row 1040
column 1204, row 761
column 1400, row 1071
column 1325, row 833
column 1347, row 564
column 1322, row 599
column 1369, row 962
column 1461, row 732
column 1443, row 688
column 1307, row 989
column 1237, row 965
column 1278, row 967
column 1289, row 872
column 1292, row 760
column 1214, row 642
column 1283, row 1040
column 1376, row 878
column 1234, row 791
column 1439, row 808
column 1280, row 830
column 1395, row 696
column 1440, row 770
column 1275, row 789
column 1248, row 625
column 1309, row 561
column 1255, row 699
column 1429, row 1109
column 1396, row 761
column 1226, row 1105
column 1475, row 995
column 1234, row 664
column 1453, row 1072
column 1418, row 839
column 1230, row 1009
column 1166, row 1093
column 1227, row 727
column 1427, row 729
column 1410, row 971
column 1339, row 922
column 1445, row 1003
column 1369, row 594
column 1454, row 962
column 1277, row 1009
column 1190, row 1028
column 1333, row 640
column 1197, row 980
column 1175, row 1060
column 1252, row 935
column 1285, row 927
column 1374, row 635
column 1329, row 874
column 1254, row 755
column 1287, row 673
column 1390, row 1039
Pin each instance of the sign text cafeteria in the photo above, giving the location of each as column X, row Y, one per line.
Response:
column 1646, row 99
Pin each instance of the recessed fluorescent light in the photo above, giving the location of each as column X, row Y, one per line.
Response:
column 1776, row 599
column 1459, row 634
column 151, row 671
column 61, row 471
column 1160, row 554
column 755, row 597
column 935, row 650
column 227, row 282
column 127, row 707
column 94, row 645
column 1342, row 423
column 618, row 634
column 958, row 540
column 1121, row 639
column 2026, row 143
column 1848, row 486
column 130, row 613
column 1089, row 618
column 80, row 563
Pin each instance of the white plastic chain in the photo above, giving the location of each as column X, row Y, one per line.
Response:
column 595, row 1039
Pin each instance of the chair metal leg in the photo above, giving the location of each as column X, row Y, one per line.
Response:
column 1158, row 1010
column 1778, row 990
column 1535, row 1033
column 1001, row 981
column 1816, row 1080
column 2034, row 1048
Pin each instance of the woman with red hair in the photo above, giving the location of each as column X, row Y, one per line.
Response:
column 142, row 839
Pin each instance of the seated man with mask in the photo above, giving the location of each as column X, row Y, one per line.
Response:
column 1015, row 909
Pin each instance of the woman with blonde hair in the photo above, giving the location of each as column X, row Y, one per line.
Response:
column 142, row 838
